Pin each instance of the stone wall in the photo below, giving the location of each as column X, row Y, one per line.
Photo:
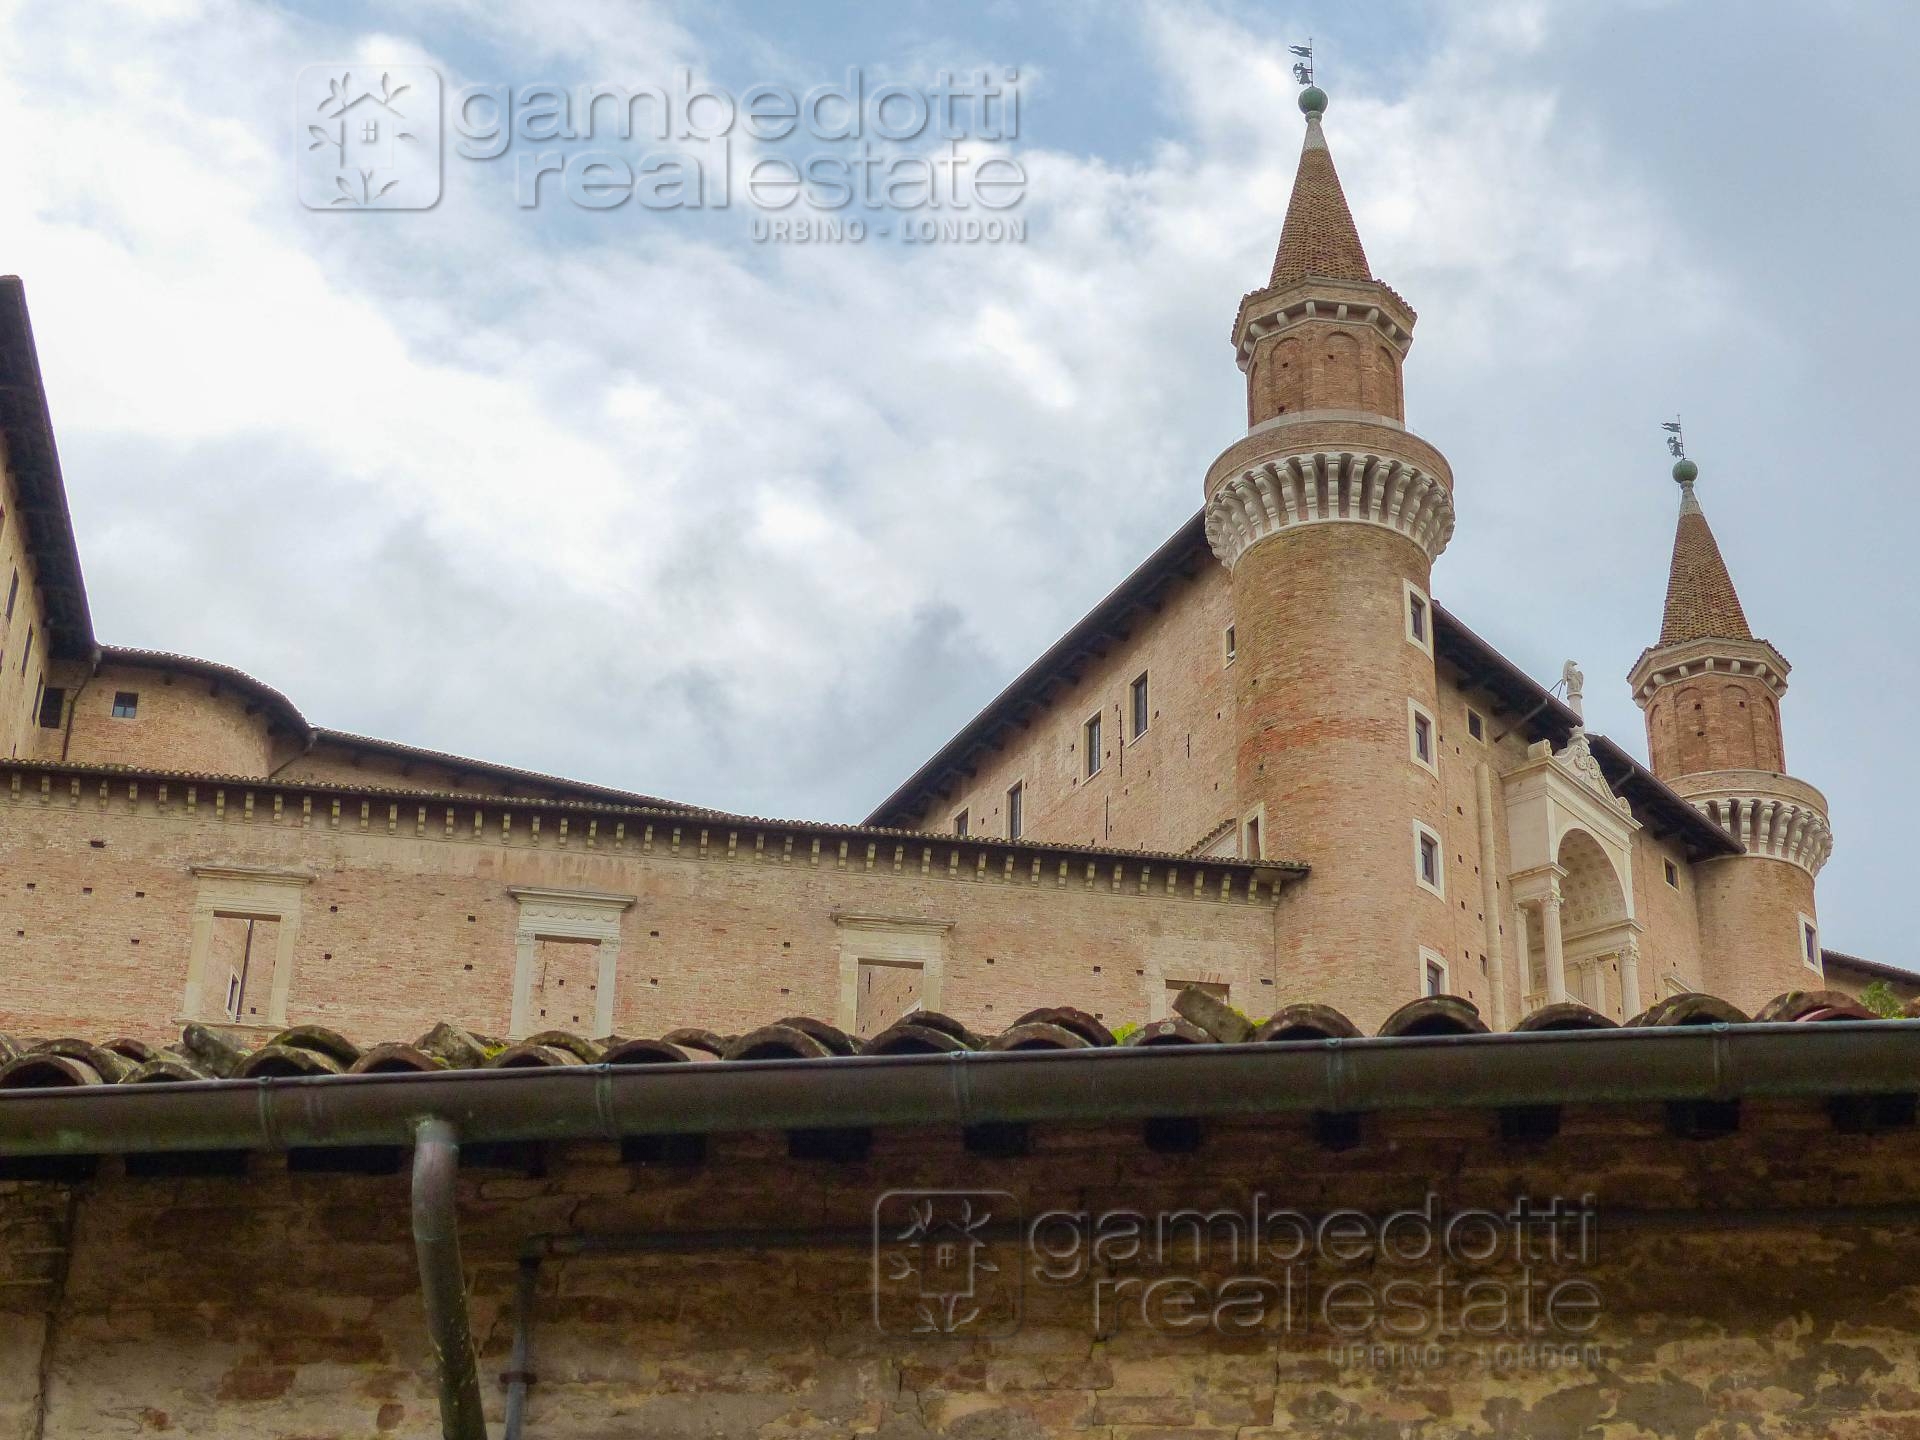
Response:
column 286, row 1302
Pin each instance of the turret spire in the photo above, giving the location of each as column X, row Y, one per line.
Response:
column 1701, row 601
column 1319, row 237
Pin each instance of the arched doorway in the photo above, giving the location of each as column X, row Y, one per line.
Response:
column 1595, row 928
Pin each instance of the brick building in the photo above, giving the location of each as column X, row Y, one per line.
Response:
column 1192, row 786
column 1270, row 776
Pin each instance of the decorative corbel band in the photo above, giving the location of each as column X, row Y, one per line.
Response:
column 1768, row 825
column 1325, row 487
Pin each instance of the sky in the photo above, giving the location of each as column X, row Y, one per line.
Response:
column 634, row 496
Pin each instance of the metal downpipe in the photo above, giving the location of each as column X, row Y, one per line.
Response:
column 443, row 1283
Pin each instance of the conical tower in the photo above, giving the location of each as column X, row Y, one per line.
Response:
column 1329, row 514
column 1712, row 693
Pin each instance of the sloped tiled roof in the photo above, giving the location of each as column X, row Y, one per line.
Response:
column 204, row 1053
column 1319, row 236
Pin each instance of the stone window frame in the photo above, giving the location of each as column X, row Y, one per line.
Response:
column 249, row 892
column 1810, row 943
column 1430, row 762
column 1093, row 737
column 1476, row 726
column 1438, row 885
column 1139, row 701
column 963, row 821
column 1229, row 645
column 904, row 940
column 549, row 914
column 1161, row 979
column 1412, row 592
column 1432, row 957
column 1254, row 821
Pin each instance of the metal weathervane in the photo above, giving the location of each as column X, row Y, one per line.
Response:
column 1676, row 442
column 1303, row 67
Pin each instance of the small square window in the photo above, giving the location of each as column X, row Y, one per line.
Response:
column 960, row 823
column 1091, row 734
column 1016, row 793
column 1476, row 725
column 1673, row 874
column 1228, row 645
column 126, row 704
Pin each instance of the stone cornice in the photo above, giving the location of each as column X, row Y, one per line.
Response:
column 1283, row 491
column 1772, row 815
column 1356, row 302
column 1666, row 664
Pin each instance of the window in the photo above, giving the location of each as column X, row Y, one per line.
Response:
column 1091, row 734
column 1251, row 850
column 1810, row 944
column 13, row 593
column 27, row 654
column 1227, row 644
column 370, row 130
column 1433, row 976
column 1422, row 738
column 53, row 701
column 1419, row 613
column 1428, row 863
column 1476, row 724
column 125, row 704
column 1140, row 707
column 1673, row 874
column 1015, row 793
column 960, row 823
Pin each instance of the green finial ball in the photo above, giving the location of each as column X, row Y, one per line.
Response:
column 1685, row 471
column 1313, row 100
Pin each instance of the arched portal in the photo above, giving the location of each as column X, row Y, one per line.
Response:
column 1595, row 926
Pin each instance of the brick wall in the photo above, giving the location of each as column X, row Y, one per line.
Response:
column 407, row 919
column 287, row 1303
column 181, row 721
column 1751, row 947
column 20, row 673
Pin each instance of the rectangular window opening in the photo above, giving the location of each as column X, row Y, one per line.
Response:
column 1091, row 734
column 1140, row 713
column 126, row 704
column 1436, row 978
column 53, row 700
column 960, row 823
column 1015, row 794
column 1227, row 642
column 1673, row 874
column 1476, row 725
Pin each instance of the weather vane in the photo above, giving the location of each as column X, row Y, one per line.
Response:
column 1676, row 442
column 1303, row 67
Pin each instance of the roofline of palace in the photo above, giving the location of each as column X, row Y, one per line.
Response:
column 1181, row 557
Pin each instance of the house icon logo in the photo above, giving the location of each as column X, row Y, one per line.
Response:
column 946, row 1263
column 367, row 137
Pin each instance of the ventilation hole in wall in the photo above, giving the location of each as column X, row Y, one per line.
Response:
column 786, row 944
column 139, row 894
column 654, row 933
column 21, row 933
column 1099, row 1014
column 326, row 955
column 469, row 919
column 1139, row 972
column 1266, row 982
column 1096, row 969
column 334, row 908
column 654, row 981
column 86, row 889
column 784, row 990
column 135, row 940
column 467, row 966
column 98, row 844
column 30, row 884
column 543, row 1014
column 989, row 959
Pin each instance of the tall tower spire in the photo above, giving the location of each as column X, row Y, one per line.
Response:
column 1329, row 514
column 1711, row 692
column 1319, row 236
